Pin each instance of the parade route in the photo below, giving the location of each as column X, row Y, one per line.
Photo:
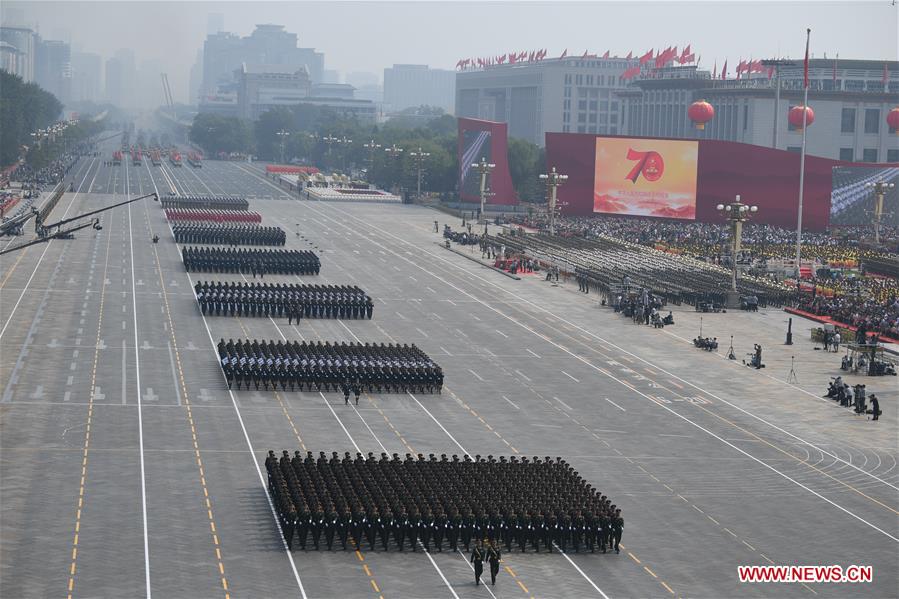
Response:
column 128, row 469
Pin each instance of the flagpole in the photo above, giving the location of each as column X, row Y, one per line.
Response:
column 808, row 35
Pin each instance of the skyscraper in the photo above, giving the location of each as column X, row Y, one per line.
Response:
column 53, row 68
column 120, row 78
column 224, row 53
column 87, row 76
column 24, row 41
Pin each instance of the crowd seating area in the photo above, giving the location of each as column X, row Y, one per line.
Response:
column 607, row 263
column 711, row 240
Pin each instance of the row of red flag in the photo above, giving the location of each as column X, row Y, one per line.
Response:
column 656, row 60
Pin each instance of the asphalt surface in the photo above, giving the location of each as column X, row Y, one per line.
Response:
column 128, row 469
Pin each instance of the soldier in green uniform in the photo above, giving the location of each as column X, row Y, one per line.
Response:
column 477, row 558
column 494, row 558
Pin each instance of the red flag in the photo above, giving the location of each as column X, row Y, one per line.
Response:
column 606, row 55
column 770, row 72
column 886, row 76
column 724, row 70
column 564, row 54
column 805, row 62
column 715, row 69
column 646, row 57
column 586, row 54
column 629, row 54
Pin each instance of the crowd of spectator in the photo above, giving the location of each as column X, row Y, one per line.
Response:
column 871, row 304
column 868, row 302
column 711, row 240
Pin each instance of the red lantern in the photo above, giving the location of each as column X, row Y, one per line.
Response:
column 796, row 116
column 893, row 120
column 700, row 112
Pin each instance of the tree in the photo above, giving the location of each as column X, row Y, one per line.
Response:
column 268, row 142
column 24, row 108
column 216, row 134
column 525, row 165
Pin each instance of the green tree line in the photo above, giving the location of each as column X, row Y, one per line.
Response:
column 24, row 108
column 311, row 135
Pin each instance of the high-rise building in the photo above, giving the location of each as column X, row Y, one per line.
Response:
column 847, row 97
column 560, row 94
column 87, row 76
column 53, row 68
column 263, row 87
column 24, row 41
column 10, row 58
column 224, row 53
column 412, row 85
column 121, row 78
column 196, row 79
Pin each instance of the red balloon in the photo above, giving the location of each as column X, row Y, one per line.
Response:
column 795, row 116
column 700, row 112
column 893, row 119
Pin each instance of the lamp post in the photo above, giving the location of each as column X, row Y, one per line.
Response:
column 484, row 168
column 419, row 157
column 553, row 180
column 880, row 190
column 282, row 135
column 372, row 147
column 344, row 142
column 737, row 213
column 394, row 152
column 329, row 140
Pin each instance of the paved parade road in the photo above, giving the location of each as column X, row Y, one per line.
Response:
column 127, row 467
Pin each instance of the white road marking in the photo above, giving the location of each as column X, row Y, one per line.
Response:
column 510, row 402
column 569, row 376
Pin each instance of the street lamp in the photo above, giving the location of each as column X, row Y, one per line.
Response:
column 737, row 213
column 484, row 168
column 880, row 190
column 283, row 135
column 419, row 158
column 371, row 146
column 553, row 180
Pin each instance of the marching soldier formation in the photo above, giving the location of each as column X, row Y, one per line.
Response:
column 433, row 504
column 263, row 262
column 326, row 366
column 225, row 234
column 291, row 300
column 216, row 215
column 216, row 202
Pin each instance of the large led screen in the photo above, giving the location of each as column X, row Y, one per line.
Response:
column 852, row 200
column 645, row 177
column 475, row 146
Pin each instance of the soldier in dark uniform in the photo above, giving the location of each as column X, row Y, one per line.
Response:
column 453, row 524
column 477, row 558
column 494, row 558
column 617, row 528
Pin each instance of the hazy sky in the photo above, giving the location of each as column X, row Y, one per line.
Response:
column 367, row 36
